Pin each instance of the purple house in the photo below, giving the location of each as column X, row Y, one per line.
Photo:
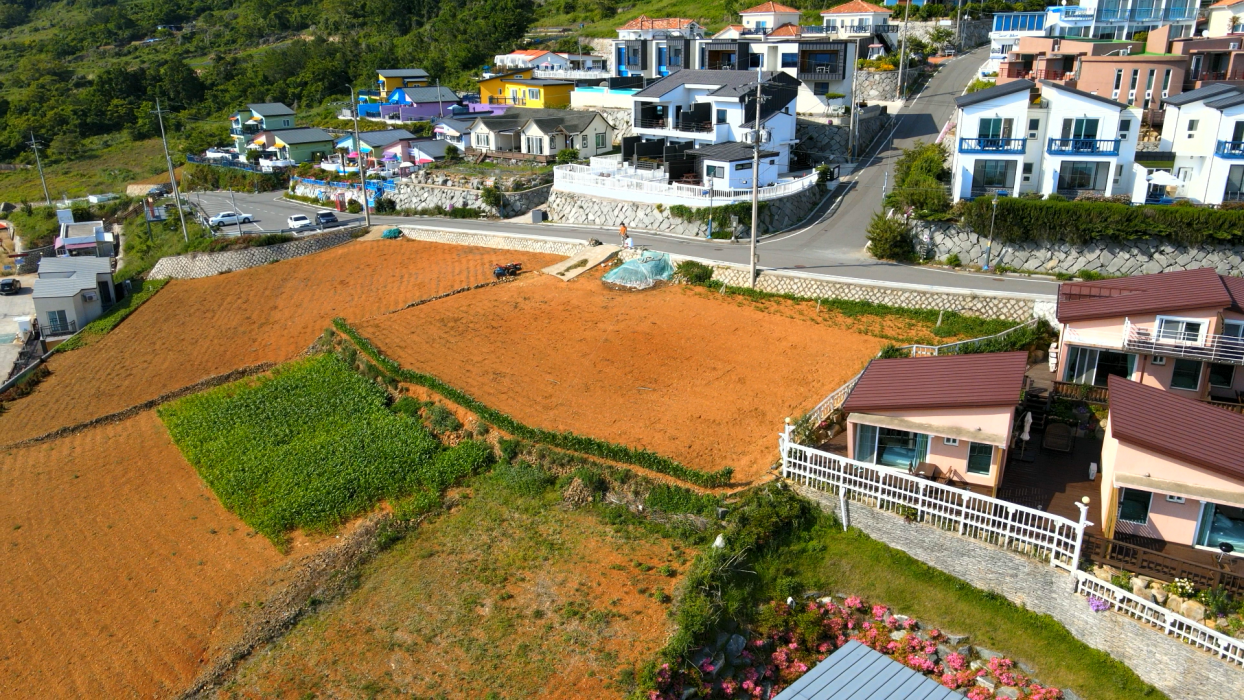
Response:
column 412, row 103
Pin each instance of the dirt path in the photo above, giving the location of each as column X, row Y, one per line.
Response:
column 199, row 328
column 703, row 380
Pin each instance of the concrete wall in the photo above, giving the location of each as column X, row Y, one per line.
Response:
column 504, row 241
column 1176, row 668
column 1145, row 256
column 197, row 265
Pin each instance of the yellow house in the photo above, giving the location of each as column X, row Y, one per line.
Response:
column 521, row 89
column 389, row 80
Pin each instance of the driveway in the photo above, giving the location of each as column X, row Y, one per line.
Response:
column 22, row 304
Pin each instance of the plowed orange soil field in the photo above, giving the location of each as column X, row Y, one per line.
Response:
column 194, row 329
column 703, row 380
column 115, row 563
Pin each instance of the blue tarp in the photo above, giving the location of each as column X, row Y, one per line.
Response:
column 642, row 272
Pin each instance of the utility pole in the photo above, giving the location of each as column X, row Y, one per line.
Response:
column 852, row 105
column 440, row 105
column 992, row 218
column 237, row 215
column 757, row 134
column 358, row 149
column 39, row 164
column 902, row 52
column 171, row 177
column 958, row 25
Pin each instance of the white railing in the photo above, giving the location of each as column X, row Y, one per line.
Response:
column 935, row 350
column 1212, row 348
column 1173, row 624
column 572, row 74
column 833, row 402
column 576, row 177
column 1007, row 525
column 613, row 160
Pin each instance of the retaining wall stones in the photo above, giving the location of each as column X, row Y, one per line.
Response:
column 195, row 265
column 505, row 241
column 619, row 119
column 412, row 195
column 1139, row 257
column 975, row 32
column 876, row 86
column 571, row 208
column 1176, row 668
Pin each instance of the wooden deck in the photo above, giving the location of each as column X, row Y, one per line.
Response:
column 1054, row 481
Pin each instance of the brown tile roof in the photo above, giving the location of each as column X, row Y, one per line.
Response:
column 1177, row 426
column 1202, row 288
column 646, row 22
column 854, row 7
column 787, row 29
column 947, row 381
column 767, row 7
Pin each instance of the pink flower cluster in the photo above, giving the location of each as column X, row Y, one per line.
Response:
column 787, row 640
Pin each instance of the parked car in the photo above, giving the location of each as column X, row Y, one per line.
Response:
column 299, row 221
column 229, row 218
column 10, row 286
column 326, row 218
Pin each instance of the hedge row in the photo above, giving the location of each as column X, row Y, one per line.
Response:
column 1080, row 222
column 564, row 440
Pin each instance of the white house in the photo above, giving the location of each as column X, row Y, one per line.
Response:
column 1224, row 17
column 1046, row 138
column 71, row 292
column 863, row 22
column 530, row 58
column 1204, row 129
column 653, row 47
column 85, row 238
column 769, row 15
column 541, row 133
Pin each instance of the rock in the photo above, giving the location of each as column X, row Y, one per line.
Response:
column 1140, row 589
column 734, row 647
column 956, row 639
column 1027, row 670
column 1193, row 610
column 720, row 542
column 1069, row 694
column 1101, row 572
column 987, row 683
column 1006, row 692
column 577, row 494
column 1158, row 596
column 719, row 660
column 1174, row 603
column 897, row 636
column 986, row 654
column 700, row 656
column 944, row 651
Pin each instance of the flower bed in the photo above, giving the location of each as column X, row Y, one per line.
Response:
column 788, row 640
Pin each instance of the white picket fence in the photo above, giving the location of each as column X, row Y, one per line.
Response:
column 1155, row 615
column 591, row 179
column 1007, row 525
column 833, row 402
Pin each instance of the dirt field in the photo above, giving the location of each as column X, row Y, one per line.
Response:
column 116, row 562
column 195, row 329
column 703, row 380
column 505, row 595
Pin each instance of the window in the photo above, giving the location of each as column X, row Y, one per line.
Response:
column 1186, row 374
column 1125, row 125
column 1179, row 330
column 820, row 88
column 742, row 166
column 714, row 171
column 953, row 442
column 993, row 173
column 1135, row 77
column 1166, row 82
column 721, row 116
column 1118, row 79
column 994, row 128
column 1220, row 524
column 1134, row 505
column 533, row 93
column 980, row 458
column 1081, row 175
column 1149, row 80
column 57, row 322
column 1033, row 126
column 1027, row 168
column 1222, row 375
column 1174, row 499
column 901, row 449
column 1192, row 125
column 535, row 144
column 790, row 60
column 600, row 141
column 1082, row 128
column 1093, row 366
column 583, row 141
column 481, row 140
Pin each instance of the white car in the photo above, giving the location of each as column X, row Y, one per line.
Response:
column 228, row 218
column 299, row 221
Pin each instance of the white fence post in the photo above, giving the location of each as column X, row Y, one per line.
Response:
column 1080, row 526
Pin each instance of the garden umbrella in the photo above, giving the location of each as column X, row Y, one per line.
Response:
column 1164, row 179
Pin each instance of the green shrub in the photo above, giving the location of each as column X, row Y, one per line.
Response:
column 210, row 178
column 421, row 502
column 978, row 84
column 442, row 419
column 920, row 179
column 890, row 351
column 309, row 447
column 953, row 260
column 491, row 196
column 675, row 499
column 354, row 207
column 1055, row 220
column 693, row 272
column 720, row 216
column 452, row 154
column 567, row 155
column 509, row 449
column 405, row 405
column 888, row 238
column 523, row 478
column 384, row 205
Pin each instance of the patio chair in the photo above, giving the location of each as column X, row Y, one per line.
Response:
column 1058, row 437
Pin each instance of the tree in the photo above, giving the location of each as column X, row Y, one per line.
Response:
column 939, row 37
column 888, row 239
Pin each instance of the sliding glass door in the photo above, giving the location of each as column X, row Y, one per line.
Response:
column 888, row 447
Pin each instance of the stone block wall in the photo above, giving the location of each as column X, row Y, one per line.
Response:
column 196, row 265
column 505, row 241
column 619, row 119
column 829, row 141
column 417, row 196
column 975, row 32
column 1176, row 668
column 876, row 85
column 1139, row 257
column 571, row 208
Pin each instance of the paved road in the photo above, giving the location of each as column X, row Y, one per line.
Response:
column 834, row 245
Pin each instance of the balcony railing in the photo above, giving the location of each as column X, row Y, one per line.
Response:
column 1015, row 72
column 990, row 191
column 1230, row 149
column 1112, row 14
column 1210, row 348
column 1081, row 392
column 820, row 70
column 1181, row 13
column 1147, row 562
column 1083, row 147
column 1077, row 13
column 516, row 101
column 722, row 65
column 1052, row 74
column 991, row 145
column 1217, row 75
column 619, row 183
column 67, row 328
column 670, row 125
column 568, row 74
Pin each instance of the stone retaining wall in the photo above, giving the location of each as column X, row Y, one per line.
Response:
column 876, row 85
column 1176, row 668
column 195, row 265
column 619, row 119
column 975, row 32
column 828, row 141
column 1107, row 257
column 571, row 208
column 411, row 195
column 535, row 244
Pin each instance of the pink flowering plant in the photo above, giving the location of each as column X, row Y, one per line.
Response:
column 785, row 641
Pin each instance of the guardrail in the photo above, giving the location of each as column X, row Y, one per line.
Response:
column 1169, row 622
column 1010, row 526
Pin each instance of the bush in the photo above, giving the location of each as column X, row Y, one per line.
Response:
column 491, row 196
column 1055, row 220
column 384, row 205
column 201, row 177
column 354, row 207
column 523, row 479
column 693, row 272
column 452, row 154
column 567, row 155
column 978, row 84
column 421, row 502
column 920, row 177
column 888, row 239
column 442, row 419
column 953, row 260
column 675, row 499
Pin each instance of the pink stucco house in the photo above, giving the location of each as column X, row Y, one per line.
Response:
column 1178, row 331
column 1172, row 468
column 957, row 412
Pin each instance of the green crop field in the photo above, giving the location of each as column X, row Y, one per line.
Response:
column 309, row 447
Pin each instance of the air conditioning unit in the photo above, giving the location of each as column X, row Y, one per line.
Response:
column 765, row 135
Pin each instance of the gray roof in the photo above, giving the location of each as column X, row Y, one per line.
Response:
column 1201, row 93
column 53, row 288
column 728, row 82
column 303, row 135
column 430, row 94
column 858, row 672
column 269, row 109
column 458, row 125
column 403, row 73
column 431, row 147
column 1081, row 93
column 384, row 137
column 86, row 264
column 571, row 120
column 81, row 229
column 994, row 92
column 729, row 151
column 1226, row 100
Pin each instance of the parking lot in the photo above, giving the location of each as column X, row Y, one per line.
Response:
column 268, row 212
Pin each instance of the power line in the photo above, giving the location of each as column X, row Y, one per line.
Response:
column 34, row 145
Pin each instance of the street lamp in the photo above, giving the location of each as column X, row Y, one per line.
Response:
column 992, row 218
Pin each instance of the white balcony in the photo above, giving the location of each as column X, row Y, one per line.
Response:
column 1193, row 346
column 601, row 74
column 615, row 180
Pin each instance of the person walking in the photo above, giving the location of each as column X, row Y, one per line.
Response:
column 622, row 232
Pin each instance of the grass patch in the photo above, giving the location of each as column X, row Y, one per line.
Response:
column 115, row 162
column 114, row 315
column 309, row 447
column 145, row 246
column 564, row 440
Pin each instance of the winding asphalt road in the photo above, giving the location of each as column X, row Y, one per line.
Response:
column 832, row 244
